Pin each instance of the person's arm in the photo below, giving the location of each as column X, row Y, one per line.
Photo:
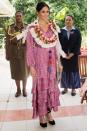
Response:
column 29, row 54
column 59, row 50
column 59, row 65
column 17, row 36
column 76, row 49
column 7, row 45
column 12, row 35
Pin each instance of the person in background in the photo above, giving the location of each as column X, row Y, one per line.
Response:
column 42, row 57
column 70, row 39
column 15, row 53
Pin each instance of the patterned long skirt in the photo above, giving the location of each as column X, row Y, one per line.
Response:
column 45, row 96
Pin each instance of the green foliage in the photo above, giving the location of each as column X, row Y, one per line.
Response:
column 58, row 9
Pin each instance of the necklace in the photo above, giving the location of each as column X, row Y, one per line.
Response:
column 41, row 35
column 41, row 39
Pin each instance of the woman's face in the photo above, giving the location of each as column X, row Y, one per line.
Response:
column 68, row 21
column 44, row 13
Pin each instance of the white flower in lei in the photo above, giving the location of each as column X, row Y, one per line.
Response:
column 39, row 41
column 56, row 43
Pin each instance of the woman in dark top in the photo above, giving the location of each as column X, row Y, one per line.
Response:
column 70, row 39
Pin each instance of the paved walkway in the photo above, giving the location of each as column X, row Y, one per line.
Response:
column 16, row 113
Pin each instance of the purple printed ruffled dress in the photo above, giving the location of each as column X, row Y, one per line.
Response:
column 45, row 86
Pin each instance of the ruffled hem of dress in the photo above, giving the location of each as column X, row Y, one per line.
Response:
column 45, row 95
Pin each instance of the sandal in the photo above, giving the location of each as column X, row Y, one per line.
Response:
column 43, row 122
column 73, row 93
column 64, row 91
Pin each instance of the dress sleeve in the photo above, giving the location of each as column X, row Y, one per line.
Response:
column 76, row 50
column 29, row 50
column 59, row 50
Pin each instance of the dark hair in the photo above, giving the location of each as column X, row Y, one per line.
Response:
column 70, row 16
column 40, row 5
column 19, row 11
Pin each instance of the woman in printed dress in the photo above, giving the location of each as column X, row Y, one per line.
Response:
column 43, row 49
